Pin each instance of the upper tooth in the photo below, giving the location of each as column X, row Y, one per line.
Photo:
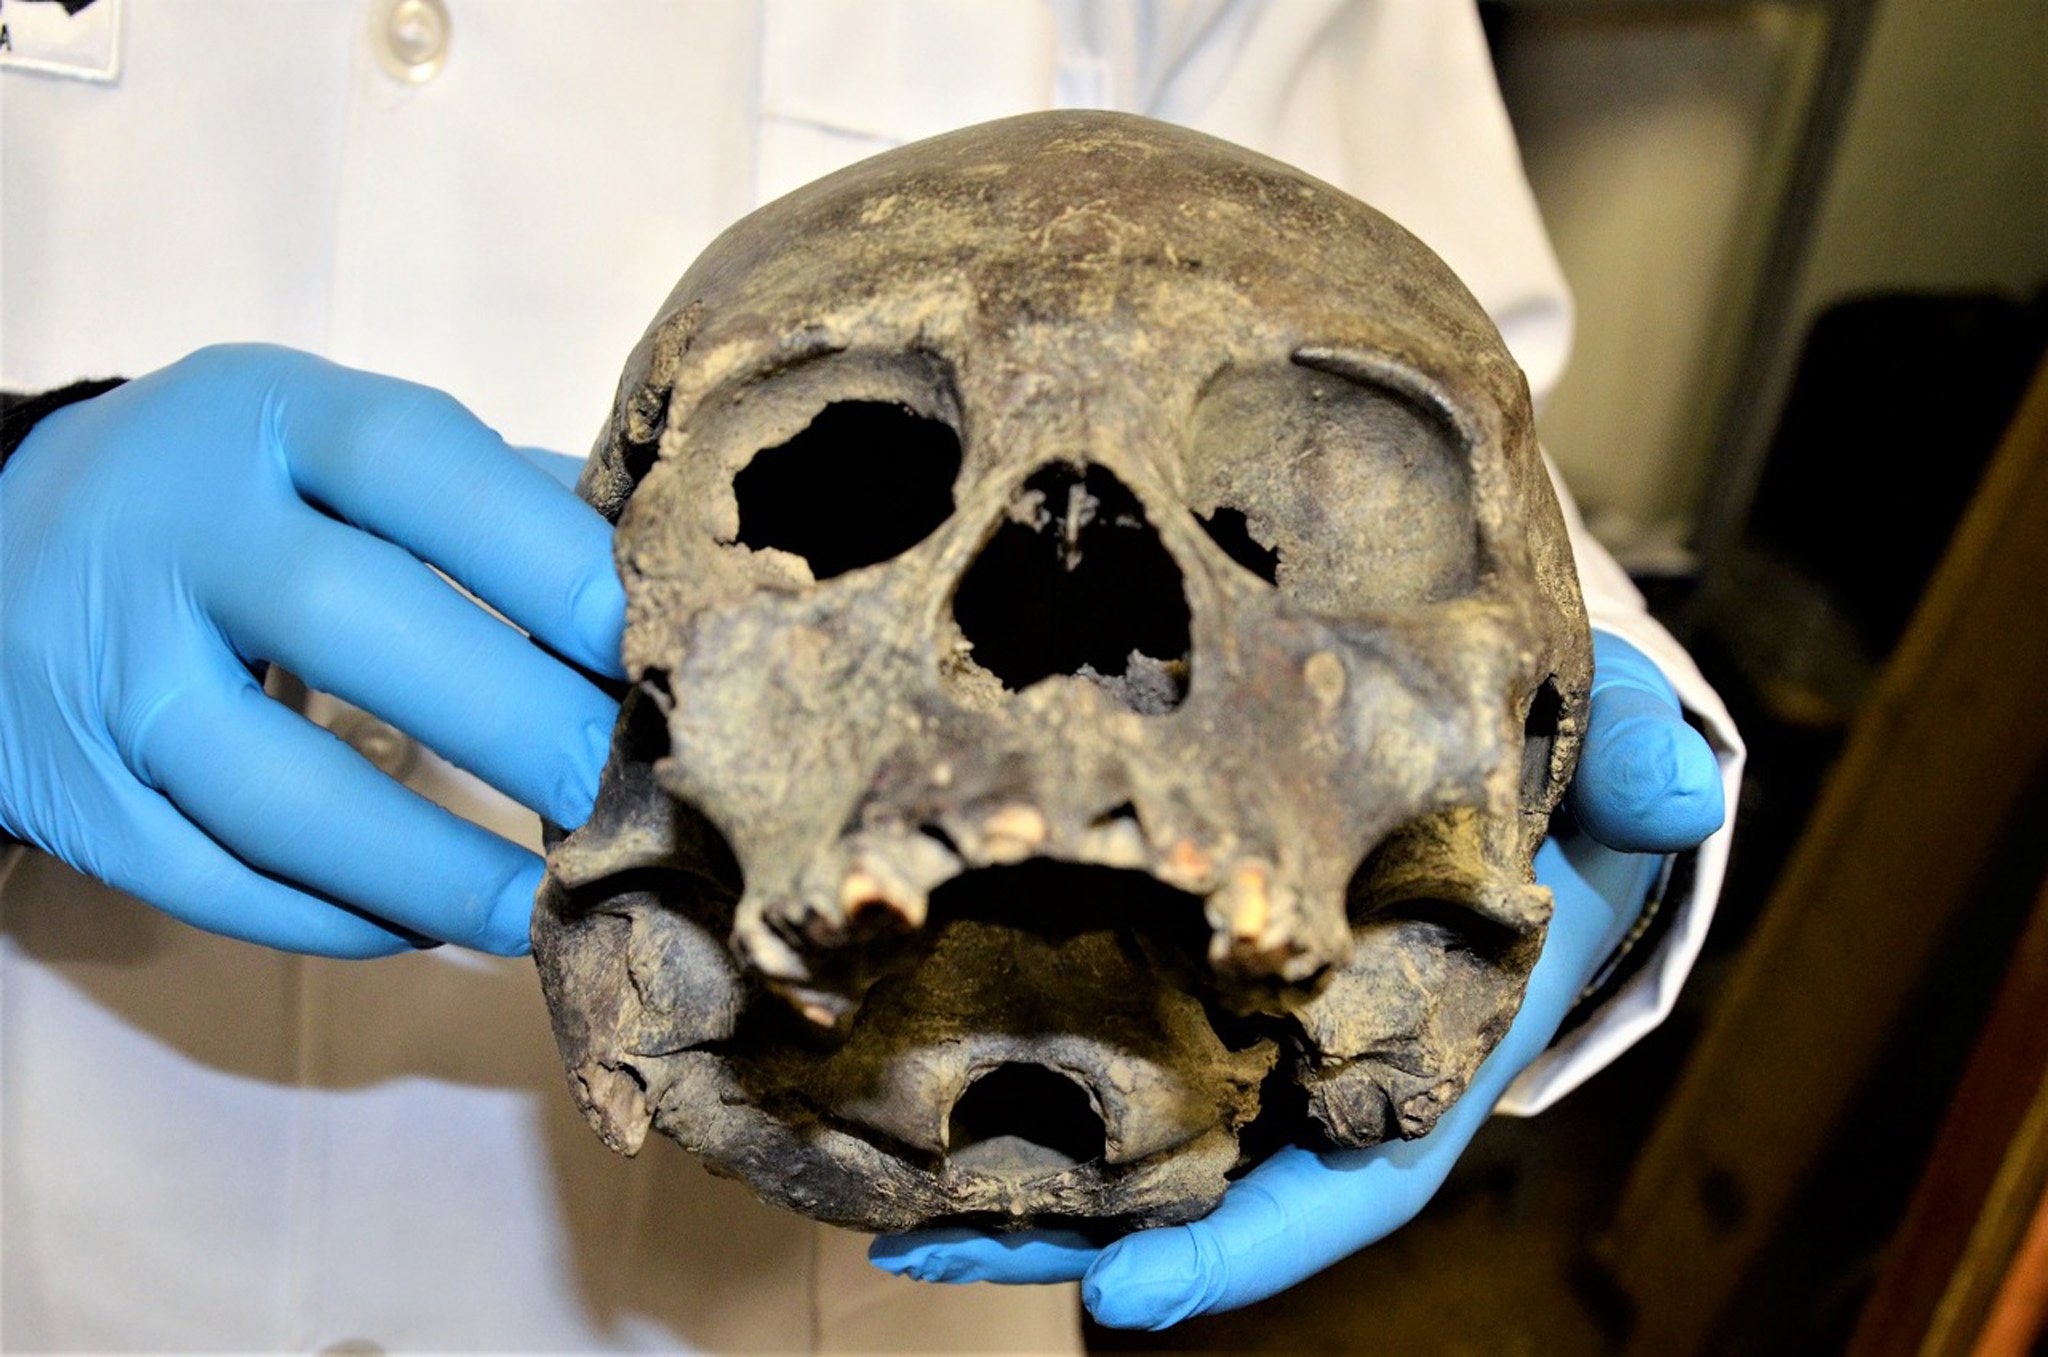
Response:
column 1187, row 865
column 1013, row 833
column 872, row 888
column 1118, row 843
column 1248, row 900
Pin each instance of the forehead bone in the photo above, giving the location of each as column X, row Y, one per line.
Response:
column 1053, row 214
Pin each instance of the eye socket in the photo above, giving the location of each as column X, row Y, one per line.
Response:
column 862, row 483
column 1349, row 497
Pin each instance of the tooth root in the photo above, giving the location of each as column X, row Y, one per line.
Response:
column 1242, row 909
column 1118, row 843
column 1261, row 929
column 763, row 948
column 871, row 894
column 826, row 1009
column 1188, row 865
column 1251, row 902
column 822, row 1009
column 860, row 890
column 1013, row 833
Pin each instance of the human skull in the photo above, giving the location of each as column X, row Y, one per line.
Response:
column 1104, row 652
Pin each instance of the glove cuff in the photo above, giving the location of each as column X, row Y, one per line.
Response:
column 20, row 413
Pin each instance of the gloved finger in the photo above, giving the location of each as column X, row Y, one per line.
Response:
column 1287, row 1219
column 1647, row 782
column 1599, row 893
column 293, row 800
column 565, row 469
column 170, row 863
column 361, row 619
column 415, row 467
column 956, row 1255
column 1301, row 1211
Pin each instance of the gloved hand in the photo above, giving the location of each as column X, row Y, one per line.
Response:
column 161, row 543
column 1647, row 784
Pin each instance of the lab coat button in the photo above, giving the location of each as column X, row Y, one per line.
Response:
column 410, row 38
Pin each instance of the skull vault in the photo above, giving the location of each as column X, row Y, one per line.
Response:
column 1104, row 652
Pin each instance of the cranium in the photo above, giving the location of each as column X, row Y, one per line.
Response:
column 1104, row 652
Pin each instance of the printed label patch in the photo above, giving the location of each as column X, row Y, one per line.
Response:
column 80, row 38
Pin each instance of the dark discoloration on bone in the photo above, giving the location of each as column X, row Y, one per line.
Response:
column 1181, row 782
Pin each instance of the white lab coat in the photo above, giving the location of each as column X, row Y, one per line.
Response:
column 205, row 1144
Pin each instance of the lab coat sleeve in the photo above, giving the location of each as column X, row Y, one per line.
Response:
column 1637, row 1005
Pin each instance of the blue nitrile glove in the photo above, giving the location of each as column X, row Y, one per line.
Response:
column 1647, row 784
column 160, row 543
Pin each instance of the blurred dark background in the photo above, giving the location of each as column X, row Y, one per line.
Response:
column 1809, row 243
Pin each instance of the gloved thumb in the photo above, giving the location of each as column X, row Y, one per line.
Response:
column 1647, row 782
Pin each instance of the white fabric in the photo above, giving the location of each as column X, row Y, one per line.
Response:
column 1615, row 606
column 204, row 1145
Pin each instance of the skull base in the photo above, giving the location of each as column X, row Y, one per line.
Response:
column 1104, row 656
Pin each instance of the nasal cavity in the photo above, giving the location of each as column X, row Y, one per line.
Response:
column 1077, row 582
column 1023, row 1119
